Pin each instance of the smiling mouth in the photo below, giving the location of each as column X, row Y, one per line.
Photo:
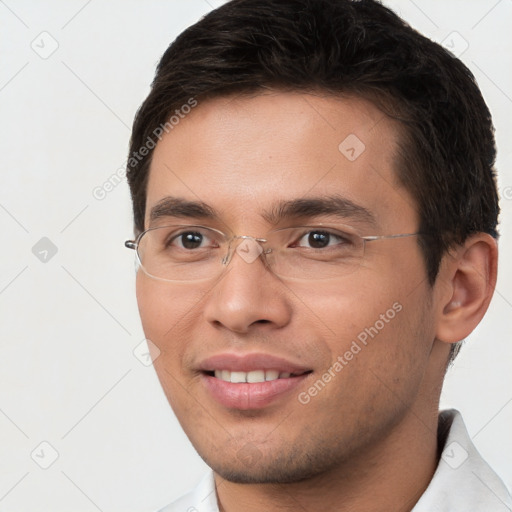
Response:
column 254, row 376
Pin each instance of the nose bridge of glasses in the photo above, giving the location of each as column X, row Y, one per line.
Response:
column 249, row 248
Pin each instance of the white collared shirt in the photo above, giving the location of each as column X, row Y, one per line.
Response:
column 463, row 481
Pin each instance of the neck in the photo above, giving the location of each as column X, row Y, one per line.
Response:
column 389, row 476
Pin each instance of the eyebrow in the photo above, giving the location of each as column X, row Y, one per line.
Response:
column 334, row 205
column 182, row 208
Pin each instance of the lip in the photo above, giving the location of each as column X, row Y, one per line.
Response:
column 248, row 362
column 250, row 396
column 245, row 396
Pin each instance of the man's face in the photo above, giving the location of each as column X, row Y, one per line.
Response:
column 243, row 156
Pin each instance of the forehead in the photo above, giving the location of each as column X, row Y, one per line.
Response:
column 241, row 155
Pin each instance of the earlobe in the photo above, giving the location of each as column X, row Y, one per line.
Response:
column 469, row 275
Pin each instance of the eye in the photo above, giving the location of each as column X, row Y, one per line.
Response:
column 190, row 240
column 319, row 239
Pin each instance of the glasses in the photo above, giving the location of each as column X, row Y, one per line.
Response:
column 194, row 253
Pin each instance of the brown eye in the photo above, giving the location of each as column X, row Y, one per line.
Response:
column 319, row 239
column 189, row 240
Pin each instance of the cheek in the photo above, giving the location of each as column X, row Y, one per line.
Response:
column 345, row 307
column 165, row 311
column 374, row 319
column 169, row 317
column 380, row 348
column 152, row 303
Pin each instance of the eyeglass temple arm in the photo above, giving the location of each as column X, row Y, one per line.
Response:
column 130, row 244
column 383, row 237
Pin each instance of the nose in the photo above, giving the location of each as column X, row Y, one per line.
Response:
column 248, row 294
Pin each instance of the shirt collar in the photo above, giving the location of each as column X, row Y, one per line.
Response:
column 463, row 480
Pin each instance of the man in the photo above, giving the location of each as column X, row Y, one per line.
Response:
column 315, row 213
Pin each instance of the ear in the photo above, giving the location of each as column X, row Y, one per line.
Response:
column 467, row 279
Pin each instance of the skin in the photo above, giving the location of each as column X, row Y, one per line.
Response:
column 374, row 425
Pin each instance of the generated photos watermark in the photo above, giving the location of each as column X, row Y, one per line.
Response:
column 357, row 345
column 100, row 192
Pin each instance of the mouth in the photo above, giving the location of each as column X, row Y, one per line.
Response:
column 250, row 381
column 254, row 376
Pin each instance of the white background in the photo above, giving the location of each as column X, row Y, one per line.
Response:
column 69, row 326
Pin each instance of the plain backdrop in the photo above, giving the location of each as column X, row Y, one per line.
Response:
column 84, row 425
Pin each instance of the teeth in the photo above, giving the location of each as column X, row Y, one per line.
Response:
column 237, row 377
column 251, row 377
column 256, row 376
column 271, row 375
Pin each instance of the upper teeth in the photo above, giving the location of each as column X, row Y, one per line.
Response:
column 253, row 376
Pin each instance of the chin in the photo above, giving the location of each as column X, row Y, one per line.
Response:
column 277, row 470
column 275, row 475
